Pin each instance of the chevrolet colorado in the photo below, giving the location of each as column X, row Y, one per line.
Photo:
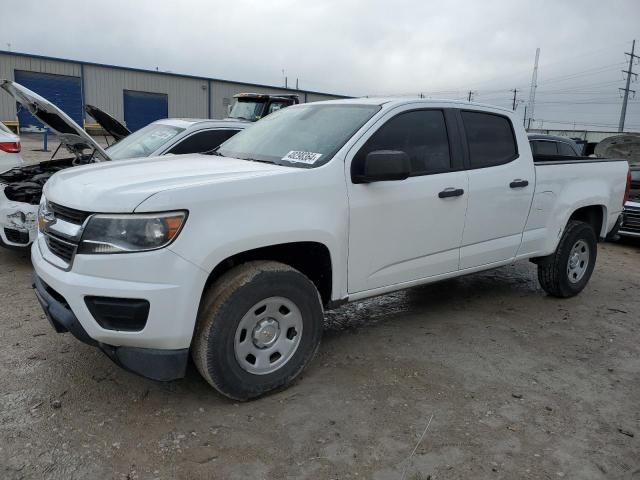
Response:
column 232, row 257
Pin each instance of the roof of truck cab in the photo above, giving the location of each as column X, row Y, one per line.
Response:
column 555, row 138
column 396, row 101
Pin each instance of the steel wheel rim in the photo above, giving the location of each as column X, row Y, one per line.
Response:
column 268, row 335
column 578, row 261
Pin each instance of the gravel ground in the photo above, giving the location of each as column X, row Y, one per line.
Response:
column 32, row 147
column 480, row 377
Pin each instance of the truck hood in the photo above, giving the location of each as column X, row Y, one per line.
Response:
column 119, row 187
column 70, row 134
column 112, row 126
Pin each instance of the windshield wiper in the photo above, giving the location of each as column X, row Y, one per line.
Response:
column 215, row 152
column 256, row 160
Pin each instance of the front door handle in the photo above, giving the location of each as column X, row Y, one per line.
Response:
column 451, row 192
column 519, row 183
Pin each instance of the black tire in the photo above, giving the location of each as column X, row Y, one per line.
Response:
column 553, row 272
column 222, row 309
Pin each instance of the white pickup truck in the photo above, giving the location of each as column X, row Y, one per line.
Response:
column 233, row 256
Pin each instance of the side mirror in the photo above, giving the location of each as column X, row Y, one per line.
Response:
column 384, row 165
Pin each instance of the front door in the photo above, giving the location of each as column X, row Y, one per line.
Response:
column 406, row 230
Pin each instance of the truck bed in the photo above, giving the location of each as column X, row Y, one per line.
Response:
column 561, row 159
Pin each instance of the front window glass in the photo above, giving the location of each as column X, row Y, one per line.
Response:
column 247, row 110
column 143, row 142
column 275, row 106
column 303, row 136
column 421, row 134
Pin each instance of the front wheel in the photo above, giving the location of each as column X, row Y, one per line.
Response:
column 259, row 325
column 568, row 270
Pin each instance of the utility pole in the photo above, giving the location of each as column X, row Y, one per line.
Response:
column 524, row 119
column 629, row 72
column 470, row 96
column 515, row 93
column 534, row 85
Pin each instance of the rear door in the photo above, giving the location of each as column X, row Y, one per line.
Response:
column 401, row 231
column 501, row 185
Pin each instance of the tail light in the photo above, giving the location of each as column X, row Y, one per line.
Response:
column 627, row 190
column 10, row 147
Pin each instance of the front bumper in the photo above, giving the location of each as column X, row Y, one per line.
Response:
column 162, row 365
column 630, row 220
column 160, row 349
column 14, row 231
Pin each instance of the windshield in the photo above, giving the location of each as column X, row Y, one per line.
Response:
column 304, row 136
column 143, row 142
column 247, row 110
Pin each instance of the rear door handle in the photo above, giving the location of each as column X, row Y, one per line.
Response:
column 518, row 183
column 451, row 192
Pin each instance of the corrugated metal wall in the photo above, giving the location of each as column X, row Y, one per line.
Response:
column 104, row 86
column 10, row 63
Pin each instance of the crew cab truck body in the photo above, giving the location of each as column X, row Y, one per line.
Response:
column 233, row 256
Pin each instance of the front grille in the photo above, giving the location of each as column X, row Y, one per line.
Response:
column 67, row 214
column 61, row 248
column 16, row 236
column 630, row 219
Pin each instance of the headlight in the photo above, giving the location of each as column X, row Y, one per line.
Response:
column 106, row 233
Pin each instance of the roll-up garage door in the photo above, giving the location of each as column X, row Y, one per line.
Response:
column 142, row 108
column 63, row 91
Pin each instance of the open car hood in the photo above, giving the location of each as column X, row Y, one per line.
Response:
column 70, row 134
column 112, row 126
column 625, row 146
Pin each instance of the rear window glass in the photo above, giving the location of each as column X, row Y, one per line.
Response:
column 490, row 139
column 544, row 147
column 565, row 149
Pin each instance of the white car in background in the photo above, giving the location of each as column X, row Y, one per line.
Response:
column 21, row 187
column 9, row 149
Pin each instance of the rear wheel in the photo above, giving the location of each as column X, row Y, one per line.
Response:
column 259, row 325
column 567, row 271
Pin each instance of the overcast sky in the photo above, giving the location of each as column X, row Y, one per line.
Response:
column 389, row 47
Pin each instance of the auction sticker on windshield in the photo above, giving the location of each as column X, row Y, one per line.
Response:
column 302, row 157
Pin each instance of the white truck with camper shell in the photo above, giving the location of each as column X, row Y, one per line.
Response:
column 232, row 257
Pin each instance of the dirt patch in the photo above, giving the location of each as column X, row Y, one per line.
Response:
column 516, row 384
